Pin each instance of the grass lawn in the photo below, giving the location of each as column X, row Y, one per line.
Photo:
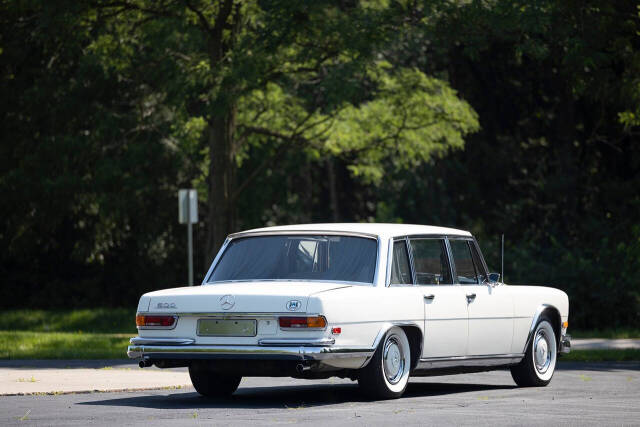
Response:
column 104, row 334
column 66, row 334
column 97, row 320
column 62, row 345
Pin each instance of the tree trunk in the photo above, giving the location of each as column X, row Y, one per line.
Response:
column 222, row 127
column 333, row 191
column 222, row 174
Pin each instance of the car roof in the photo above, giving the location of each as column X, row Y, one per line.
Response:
column 376, row 229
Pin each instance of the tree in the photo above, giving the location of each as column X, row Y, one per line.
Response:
column 301, row 75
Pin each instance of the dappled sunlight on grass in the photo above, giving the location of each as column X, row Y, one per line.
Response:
column 102, row 320
column 62, row 345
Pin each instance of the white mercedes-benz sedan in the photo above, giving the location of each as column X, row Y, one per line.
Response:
column 376, row 303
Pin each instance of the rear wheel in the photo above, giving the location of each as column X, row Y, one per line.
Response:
column 539, row 362
column 210, row 383
column 387, row 374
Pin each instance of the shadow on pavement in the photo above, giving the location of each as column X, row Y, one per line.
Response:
column 597, row 366
column 284, row 396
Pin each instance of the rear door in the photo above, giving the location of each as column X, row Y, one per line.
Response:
column 445, row 309
column 490, row 308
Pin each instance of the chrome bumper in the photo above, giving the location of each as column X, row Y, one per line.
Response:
column 565, row 344
column 184, row 348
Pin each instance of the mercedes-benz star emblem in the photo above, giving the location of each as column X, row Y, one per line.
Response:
column 227, row 301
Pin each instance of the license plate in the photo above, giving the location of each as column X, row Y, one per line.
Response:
column 227, row 327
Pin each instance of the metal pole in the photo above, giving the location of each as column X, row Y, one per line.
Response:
column 189, row 238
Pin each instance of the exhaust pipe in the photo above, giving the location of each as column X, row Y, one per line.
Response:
column 301, row 368
column 145, row 363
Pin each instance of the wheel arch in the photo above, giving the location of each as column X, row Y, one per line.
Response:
column 553, row 314
column 414, row 335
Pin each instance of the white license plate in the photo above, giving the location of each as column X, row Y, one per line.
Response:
column 227, row 327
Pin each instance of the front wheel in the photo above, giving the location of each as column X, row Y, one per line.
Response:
column 387, row 374
column 539, row 362
column 210, row 383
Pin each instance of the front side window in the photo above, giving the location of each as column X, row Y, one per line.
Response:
column 299, row 257
column 465, row 270
column 400, row 269
column 482, row 276
column 430, row 262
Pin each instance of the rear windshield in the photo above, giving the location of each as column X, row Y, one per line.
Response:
column 341, row 258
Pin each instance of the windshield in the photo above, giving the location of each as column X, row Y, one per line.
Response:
column 342, row 258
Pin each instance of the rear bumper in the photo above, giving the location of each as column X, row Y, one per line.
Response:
column 565, row 344
column 299, row 350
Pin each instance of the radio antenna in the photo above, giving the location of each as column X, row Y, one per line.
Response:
column 502, row 258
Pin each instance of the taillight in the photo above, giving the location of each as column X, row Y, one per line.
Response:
column 312, row 322
column 155, row 321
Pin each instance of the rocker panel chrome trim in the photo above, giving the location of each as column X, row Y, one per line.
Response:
column 476, row 361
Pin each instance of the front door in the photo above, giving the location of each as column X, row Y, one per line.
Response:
column 490, row 308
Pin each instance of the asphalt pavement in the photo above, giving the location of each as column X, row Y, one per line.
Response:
column 73, row 376
column 579, row 394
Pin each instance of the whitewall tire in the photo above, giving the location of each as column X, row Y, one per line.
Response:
column 387, row 374
column 539, row 363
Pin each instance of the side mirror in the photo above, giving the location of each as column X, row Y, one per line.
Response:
column 494, row 277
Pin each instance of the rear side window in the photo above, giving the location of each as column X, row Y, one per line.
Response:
column 462, row 258
column 400, row 269
column 430, row 262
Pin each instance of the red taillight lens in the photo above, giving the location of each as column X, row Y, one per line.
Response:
column 155, row 321
column 318, row 322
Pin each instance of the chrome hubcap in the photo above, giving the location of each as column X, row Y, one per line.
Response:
column 541, row 352
column 393, row 360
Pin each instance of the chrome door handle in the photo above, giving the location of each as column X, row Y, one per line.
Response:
column 471, row 297
column 430, row 297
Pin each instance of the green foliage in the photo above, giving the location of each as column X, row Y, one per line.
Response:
column 412, row 119
column 505, row 116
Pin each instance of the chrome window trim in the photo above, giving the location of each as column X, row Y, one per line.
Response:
column 407, row 238
column 231, row 237
column 481, row 256
column 472, row 241
column 447, row 254
column 452, row 266
column 215, row 261
column 412, row 264
column 344, row 282
column 392, row 242
column 243, row 234
column 387, row 280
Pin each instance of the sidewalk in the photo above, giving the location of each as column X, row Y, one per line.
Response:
column 85, row 376
column 80, row 376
